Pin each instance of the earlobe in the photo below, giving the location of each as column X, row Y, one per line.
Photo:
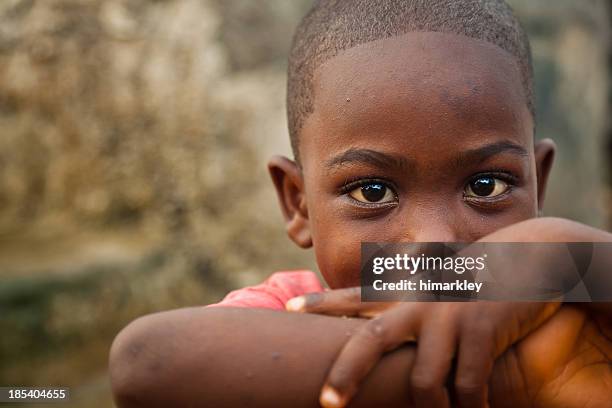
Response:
column 289, row 184
column 544, row 158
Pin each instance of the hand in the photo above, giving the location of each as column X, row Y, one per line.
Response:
column 564, row 363
column 474, row 334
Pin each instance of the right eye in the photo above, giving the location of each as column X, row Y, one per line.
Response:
column 373, row 193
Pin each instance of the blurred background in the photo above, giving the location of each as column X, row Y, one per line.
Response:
column 133, row 141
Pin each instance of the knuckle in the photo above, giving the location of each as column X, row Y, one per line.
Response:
column 468, row 386
column 480, row 329
column 449, row 311
column 352, row 294
column 375, row 331
column 423, row 384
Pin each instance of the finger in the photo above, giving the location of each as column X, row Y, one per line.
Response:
column 364, row 349
column 340, row 302
column 476, row 357
column 435, row 353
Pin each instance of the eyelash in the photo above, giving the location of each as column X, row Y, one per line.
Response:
column 503, row 175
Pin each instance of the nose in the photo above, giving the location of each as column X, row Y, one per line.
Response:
column 433, row 232
column 432, row 224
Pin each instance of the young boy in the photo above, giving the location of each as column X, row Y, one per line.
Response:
column 410, row 121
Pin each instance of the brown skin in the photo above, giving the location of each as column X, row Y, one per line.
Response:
column 423, row 115
column 185, row 358
column 394, row 114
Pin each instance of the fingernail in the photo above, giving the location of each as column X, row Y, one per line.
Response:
column 296, row 304
column 330, row 398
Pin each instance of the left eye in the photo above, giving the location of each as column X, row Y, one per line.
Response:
column 373, row 193
column 486, row 187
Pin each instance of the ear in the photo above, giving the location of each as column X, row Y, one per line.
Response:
column 289, row 183
column 544, row 157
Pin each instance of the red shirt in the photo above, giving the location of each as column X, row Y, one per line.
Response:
column 274, row 292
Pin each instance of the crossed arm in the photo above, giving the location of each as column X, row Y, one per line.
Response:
column 226, row 357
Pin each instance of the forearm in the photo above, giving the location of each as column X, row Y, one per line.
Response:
column 226, row 357
column 599, row 275
column 550, row 229
column 236, row 357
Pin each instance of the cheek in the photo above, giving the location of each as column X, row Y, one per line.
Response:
column 337, row 248
column 338, row 254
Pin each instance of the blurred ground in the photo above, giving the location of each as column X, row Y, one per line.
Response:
column 133, row 140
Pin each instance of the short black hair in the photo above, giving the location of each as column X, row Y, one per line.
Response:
column 332, row 26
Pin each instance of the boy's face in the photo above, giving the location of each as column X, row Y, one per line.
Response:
column 417, row 138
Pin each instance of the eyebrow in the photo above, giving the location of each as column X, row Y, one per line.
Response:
column 482, row 153
column 371, row 157
column 390, row 161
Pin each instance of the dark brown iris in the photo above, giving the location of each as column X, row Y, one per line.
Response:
column 373, row 192
column 483, row 186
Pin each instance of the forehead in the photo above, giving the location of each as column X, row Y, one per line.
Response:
column 421, row 85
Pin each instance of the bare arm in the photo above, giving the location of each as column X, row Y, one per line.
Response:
column 227, row 357
column 551, row 229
